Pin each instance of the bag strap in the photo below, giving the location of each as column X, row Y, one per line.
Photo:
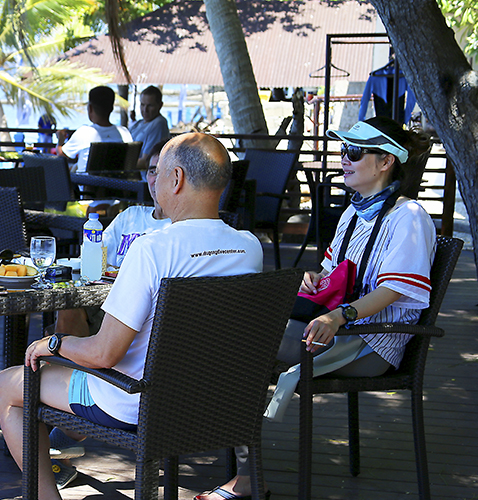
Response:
column 388, row 204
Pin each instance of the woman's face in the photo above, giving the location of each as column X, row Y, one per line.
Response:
column 368, row 175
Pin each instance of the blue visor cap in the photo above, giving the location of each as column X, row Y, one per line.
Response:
column 364, row 135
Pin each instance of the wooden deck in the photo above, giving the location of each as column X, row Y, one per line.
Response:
column 388, row 466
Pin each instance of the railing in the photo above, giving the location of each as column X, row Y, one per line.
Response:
column 438, row 198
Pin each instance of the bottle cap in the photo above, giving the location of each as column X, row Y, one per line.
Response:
column 93, row 215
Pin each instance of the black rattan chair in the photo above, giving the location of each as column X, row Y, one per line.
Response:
column 114, row 157
column 13, row 236
column 184, row 406
column 271, row 170
column 58, row 187
column 409, row 376
column 231, row 196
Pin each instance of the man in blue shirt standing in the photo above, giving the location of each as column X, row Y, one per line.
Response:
column 153, row 127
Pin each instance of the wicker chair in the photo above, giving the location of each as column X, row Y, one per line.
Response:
column 58, row 186
column 409, row 376
column 271, row 170
column 13, row 236
column 185, row 408
column 231, row 196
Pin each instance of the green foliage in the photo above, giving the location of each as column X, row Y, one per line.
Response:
column 462, row 16
column 34, row 34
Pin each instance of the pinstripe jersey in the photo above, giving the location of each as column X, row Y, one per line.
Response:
column 400, row 260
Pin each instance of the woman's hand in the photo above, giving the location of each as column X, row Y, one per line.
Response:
column 35, row 350
column 323, row 329
column 310, row 281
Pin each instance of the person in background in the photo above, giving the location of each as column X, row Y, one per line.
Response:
column 46, row 121
column 376, row 155
column 100, row 106
column 192, row 172
column 153, row 128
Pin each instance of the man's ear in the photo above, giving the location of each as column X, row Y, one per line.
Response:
column 178, row 179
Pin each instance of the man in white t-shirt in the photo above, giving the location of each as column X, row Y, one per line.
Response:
column 192, row 172
column 117, row 237
column 153, row 128
column 100, row 106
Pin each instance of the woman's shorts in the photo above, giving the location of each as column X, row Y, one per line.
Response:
column 82, row 404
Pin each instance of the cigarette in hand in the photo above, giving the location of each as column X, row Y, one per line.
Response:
column 315, row 343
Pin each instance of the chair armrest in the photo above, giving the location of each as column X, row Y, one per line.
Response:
column 401, row 328
column 113, row 377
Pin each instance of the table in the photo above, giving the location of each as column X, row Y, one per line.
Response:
column 14, row 305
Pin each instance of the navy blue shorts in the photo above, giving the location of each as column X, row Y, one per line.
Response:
column 82, row 404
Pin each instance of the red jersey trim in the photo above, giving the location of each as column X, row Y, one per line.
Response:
column 410, row 279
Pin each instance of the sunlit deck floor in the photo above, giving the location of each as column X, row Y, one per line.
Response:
column 388, row 466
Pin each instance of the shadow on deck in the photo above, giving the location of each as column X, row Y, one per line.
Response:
column 388, row 464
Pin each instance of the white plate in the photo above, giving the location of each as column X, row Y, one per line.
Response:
column 17, row 282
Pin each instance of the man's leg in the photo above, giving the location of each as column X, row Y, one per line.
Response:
column 54, row 392
column 72, row 322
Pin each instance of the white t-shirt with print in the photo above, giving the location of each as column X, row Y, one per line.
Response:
column 195, row 247
column 126, row 227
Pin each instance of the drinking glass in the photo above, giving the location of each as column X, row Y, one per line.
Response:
column 42, row 253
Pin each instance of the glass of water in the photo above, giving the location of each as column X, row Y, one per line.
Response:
column 42, row 253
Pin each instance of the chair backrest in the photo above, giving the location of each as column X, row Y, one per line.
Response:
column 13, row 234
column 113, row 156
column 447, row 252
column 271, row 170
column 30, row 183
column 213, row 345
column 232, row 194
column 58, row 186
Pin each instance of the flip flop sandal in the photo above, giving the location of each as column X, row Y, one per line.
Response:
column 227, row 495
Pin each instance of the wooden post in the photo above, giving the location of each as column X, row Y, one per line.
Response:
column 448, row 200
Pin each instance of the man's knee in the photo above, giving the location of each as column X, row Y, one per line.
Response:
column 11, row 387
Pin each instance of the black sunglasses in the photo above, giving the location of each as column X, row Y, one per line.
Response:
column 355, row 153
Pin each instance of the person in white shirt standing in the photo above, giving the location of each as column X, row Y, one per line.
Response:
column 100, row 106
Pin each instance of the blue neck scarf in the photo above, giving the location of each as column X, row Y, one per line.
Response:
column 368, row 208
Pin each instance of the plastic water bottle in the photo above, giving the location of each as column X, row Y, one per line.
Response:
column 91, row 249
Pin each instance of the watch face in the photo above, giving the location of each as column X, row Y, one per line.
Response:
column 349, row 313
column 53, row 343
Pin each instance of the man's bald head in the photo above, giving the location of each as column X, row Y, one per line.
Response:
column 204, row 160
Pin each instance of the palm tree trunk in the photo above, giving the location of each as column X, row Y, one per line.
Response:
column 236, row 69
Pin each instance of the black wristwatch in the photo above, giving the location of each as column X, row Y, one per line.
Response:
column 54, row 343
column 349, row 313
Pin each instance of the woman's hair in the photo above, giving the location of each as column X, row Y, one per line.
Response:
column 418, row 145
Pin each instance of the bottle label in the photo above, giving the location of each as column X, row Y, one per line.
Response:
column 94, row 235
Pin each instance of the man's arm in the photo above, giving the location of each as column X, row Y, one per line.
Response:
column 62, row 136
column 103, row 350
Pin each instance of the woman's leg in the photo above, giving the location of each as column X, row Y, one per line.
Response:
column 370, row 365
